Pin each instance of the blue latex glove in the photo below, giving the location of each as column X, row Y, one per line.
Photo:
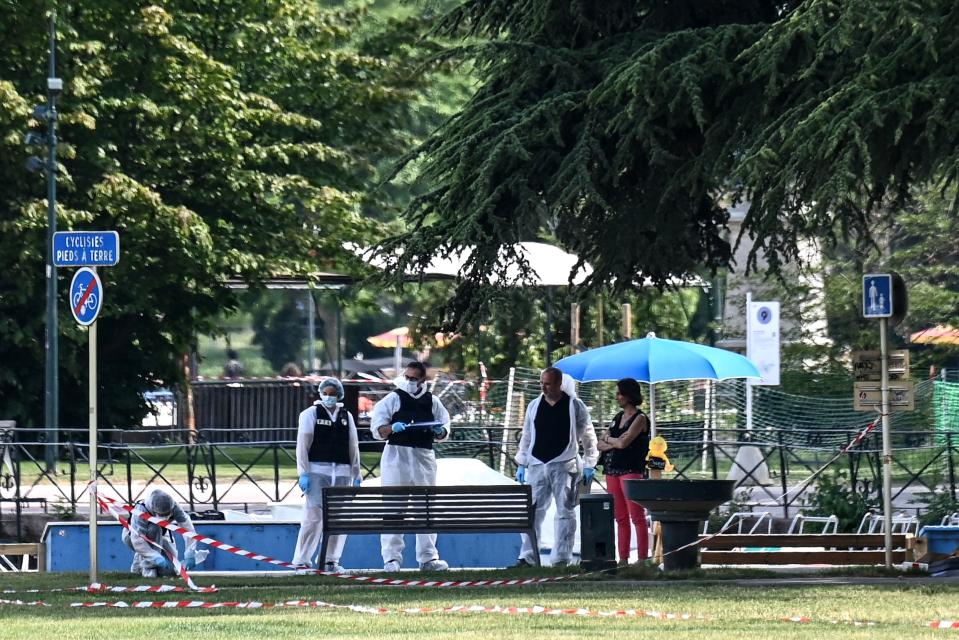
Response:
column 588, row 474
column 190, row 559
column 438, row 430
column 304, row 482
column 357, row 482
column 521, row 475
column 162, row 563
column 398, row 427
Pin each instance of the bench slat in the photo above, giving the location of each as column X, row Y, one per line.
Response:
column 485, row 490
column 828, row 540
column 800, row 557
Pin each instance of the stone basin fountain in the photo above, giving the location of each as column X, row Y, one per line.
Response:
column 680, row 506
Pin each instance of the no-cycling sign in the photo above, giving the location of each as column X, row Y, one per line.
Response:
column 86, row 296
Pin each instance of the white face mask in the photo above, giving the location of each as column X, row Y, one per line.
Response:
column 408, row 386
column 329, row 401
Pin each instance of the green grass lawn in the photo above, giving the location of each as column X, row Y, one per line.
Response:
column 720, row 609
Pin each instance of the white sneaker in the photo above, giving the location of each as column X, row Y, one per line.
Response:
column 149, row 573
column 334, row 567
column 434, row 565
column 392, row 566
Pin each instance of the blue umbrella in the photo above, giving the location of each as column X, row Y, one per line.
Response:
column 653, row 360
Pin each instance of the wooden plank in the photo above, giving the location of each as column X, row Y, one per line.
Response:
column 800, row 557
column 827, row 540
column 19, row 549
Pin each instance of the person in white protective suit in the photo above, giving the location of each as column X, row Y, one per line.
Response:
column 410, row 419
column 555, row 425
column 152, row 545
column 327, row 455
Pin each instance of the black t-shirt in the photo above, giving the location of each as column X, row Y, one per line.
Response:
column 552, row 429
column 632, row 459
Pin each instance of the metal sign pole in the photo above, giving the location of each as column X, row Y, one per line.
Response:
column 93, row 449
column 886, row 447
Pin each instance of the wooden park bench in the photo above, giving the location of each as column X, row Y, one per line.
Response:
column 805, row 548
column 16, row 556
column 461, row 509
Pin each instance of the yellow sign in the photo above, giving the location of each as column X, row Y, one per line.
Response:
column 868, row 396
column 867, row 365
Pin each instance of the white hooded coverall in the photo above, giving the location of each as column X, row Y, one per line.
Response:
column 407, row 466
column 558, row 478
column 322, row 474
column 145, row 554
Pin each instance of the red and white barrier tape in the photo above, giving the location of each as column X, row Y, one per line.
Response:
column 592, row 613
column 944, row 624
column 534, row 610
column 24, row 603
column 99, row 587
column 201, row 604
column 854, row 623
column 392, row 582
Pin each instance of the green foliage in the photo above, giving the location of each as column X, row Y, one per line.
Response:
column 279, row 324
column 625, row 124
column 224, row 140
column 832, row 495
column 938, row 504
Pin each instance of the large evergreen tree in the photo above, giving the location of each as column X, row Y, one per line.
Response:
column 625, row 123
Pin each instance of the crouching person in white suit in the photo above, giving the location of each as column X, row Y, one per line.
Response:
column 152, row 545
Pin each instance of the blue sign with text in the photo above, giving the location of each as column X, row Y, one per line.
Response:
column 86, row 248
column 877, row 295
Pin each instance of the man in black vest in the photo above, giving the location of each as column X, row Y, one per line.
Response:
column 553, row 429
column 410, row 419
column 327, row 455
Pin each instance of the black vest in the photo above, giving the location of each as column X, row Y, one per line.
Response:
column 632, row 459
column 331, row 439
column 552, row 429
column 413, row 410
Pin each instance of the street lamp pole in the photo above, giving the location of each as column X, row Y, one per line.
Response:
column 51, row 395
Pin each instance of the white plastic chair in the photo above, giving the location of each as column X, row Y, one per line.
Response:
column 826, row 521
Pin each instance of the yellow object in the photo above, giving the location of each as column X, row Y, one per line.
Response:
column 657, row 451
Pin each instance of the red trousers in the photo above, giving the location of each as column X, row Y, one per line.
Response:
column 625, row 511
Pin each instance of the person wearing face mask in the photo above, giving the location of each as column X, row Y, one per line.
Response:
column 152, row 545
column 410, row 419
column 327, row 455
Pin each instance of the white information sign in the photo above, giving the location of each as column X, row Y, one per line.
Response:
column 762, row 340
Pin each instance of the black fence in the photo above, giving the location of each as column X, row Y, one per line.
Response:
column 208, row 468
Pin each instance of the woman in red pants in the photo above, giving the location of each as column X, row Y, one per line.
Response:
column 625, row 446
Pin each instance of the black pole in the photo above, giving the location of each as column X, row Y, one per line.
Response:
column 51, row 408
column 784, row 484
column 339, row 337
column 951, row 465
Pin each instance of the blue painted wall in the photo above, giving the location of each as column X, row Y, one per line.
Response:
column 68, row 542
